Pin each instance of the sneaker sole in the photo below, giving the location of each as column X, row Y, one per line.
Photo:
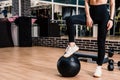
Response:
column 96, row 76
column 67, row 56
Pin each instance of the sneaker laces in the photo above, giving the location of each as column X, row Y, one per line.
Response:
column 67, row 48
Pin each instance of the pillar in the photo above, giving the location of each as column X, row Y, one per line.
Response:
column 25, row 7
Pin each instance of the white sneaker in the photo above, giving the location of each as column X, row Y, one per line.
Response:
column 98, row 72
column 70, row 50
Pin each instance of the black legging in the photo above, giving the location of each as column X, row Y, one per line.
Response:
column 100, row 16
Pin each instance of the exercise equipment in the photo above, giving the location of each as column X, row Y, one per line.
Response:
column 89, row 57
column 111, row 65
column 111, row 52
column 68, row 67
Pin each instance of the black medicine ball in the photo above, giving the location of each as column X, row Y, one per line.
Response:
column 68, row 67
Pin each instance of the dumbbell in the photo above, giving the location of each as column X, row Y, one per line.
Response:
column 111, row 52
column 111, row 65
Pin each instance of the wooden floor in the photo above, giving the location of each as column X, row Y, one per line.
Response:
column 39, row 63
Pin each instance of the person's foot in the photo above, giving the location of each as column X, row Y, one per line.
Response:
column 70, row 50
column 98, row 72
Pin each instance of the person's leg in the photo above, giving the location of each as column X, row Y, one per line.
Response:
column 101, row 18
column 70, row 21
column 102, row 31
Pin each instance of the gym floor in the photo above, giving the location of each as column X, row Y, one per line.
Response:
column 39, row 63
